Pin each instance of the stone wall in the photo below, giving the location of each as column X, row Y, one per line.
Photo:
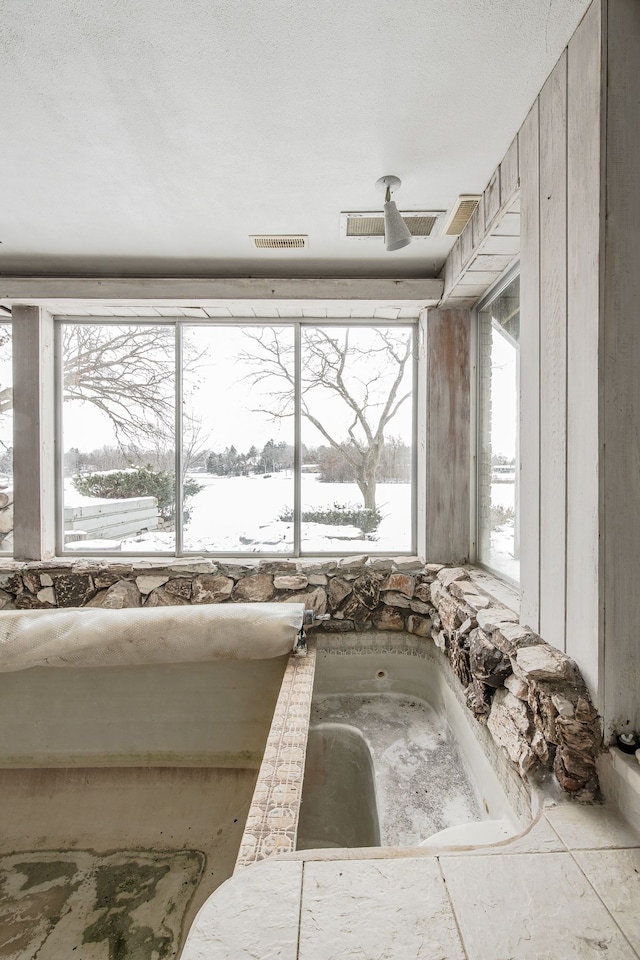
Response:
column 530, row 695
column 357, row 592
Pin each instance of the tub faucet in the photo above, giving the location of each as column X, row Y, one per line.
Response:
column 309, row 619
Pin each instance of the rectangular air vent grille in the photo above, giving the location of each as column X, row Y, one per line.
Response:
column 460, row 215
column 280, row 242
column 363, row 225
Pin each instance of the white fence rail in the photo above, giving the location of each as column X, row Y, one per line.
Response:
column 112, row 519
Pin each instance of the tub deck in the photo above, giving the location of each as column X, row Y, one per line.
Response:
column 564, row 886
column 567, row 890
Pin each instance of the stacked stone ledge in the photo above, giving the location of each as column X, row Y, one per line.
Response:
column 358, row 593
column 530, row 695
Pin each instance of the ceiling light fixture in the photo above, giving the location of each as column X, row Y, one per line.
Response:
column 396, row 232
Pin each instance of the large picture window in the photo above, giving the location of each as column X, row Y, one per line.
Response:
column 284, row 438
column 498, row 446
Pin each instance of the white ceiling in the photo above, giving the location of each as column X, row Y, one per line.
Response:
column 152, row 137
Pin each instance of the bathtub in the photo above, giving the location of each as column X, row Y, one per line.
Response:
column 184, row 769
column 124, row 789
column 339, row 806
column 378, row 719
column 389, row 716
column 142, row 774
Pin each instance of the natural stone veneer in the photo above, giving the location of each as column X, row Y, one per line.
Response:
column 530, row 695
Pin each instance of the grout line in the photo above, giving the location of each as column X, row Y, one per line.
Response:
column 613, row 919
column 563, row 842
column 300, row 910
column 453, row 911
column 601, row 849
column 395, row 853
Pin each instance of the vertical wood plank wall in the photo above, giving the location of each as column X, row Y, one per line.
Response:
column 553, row 351
column 621, row 366
column 579, row 166
column 448, row 435
column 560, row 175
column 530, row 371
column 584, row 287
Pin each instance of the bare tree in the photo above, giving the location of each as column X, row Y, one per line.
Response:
column 126, row 373
column 349, row 383
column 6, row 393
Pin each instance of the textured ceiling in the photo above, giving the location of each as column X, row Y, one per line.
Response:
column 150, row 137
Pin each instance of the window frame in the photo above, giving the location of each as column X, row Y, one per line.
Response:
column 179, row 323
column 492, row 294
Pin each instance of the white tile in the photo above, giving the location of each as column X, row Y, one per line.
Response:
column 530, row 907
column 255, row 914
column 376, row 909
column 591, row 826
column 615, row 874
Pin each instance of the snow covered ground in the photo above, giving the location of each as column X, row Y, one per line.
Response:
column 502, row 539
column 240, row 514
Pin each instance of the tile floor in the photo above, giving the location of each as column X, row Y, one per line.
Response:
column 570, row 888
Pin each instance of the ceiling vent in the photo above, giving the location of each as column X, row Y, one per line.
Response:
column 460, row 214
column 361, row 226
column 272, row 241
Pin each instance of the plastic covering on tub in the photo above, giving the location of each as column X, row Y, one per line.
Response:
column 97, row 637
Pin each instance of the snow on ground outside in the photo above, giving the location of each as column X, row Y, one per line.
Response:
column 239, row 514
column 502, row 538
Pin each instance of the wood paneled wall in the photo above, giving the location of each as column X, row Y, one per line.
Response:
column 560, row 173
column 448, row 381
column 576, row 162
column 585, row 271
column 580, row 348
column 620, row 369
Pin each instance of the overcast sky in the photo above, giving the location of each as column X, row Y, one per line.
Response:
column 223, row 400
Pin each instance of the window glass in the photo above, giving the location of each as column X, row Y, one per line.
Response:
column 498, row 453
column 357, row 428
column 6, row 441
column 294, row 438
column 238, row 439
column 118, row 437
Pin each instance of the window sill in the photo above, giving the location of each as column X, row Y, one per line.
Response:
column 404, row 562
column 498, row 590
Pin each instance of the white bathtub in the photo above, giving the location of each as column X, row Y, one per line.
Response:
column 417, row 766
